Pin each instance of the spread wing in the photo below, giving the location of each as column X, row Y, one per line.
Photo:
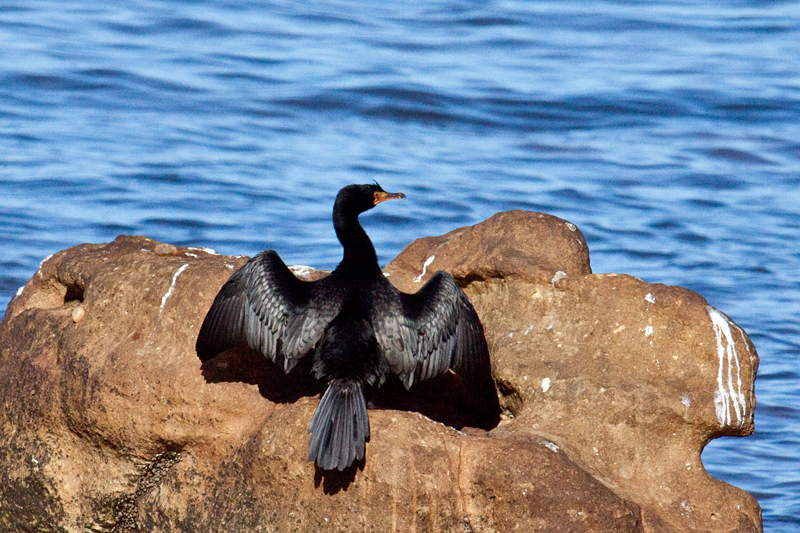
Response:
column 437, row 330
column 266, row 307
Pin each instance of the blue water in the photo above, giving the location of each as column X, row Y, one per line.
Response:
column 670, row 134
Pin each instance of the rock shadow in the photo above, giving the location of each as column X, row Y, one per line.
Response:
column 244, row 365
column 446, row 399
column 334, row 481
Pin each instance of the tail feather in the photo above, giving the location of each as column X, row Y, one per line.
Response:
column 340, row 426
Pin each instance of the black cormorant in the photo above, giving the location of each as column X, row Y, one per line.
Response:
column 358, row 326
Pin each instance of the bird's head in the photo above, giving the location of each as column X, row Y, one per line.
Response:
column 356, row 199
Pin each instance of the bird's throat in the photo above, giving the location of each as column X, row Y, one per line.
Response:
column 358, row 249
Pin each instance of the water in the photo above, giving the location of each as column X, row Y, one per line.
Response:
column 670, row 134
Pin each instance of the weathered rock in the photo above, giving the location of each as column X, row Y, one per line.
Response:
column 613, row 386
column 630, row 379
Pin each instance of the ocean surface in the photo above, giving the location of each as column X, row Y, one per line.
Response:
column 668, row 133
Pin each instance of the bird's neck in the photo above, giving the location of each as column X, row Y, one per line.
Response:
column 358, row 250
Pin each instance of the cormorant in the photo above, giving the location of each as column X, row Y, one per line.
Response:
column 358, row 326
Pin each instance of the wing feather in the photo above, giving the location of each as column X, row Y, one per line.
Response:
column 436, row 330
column 266, row 307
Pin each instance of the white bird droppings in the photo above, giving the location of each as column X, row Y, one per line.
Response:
column 425, row 265
column 650, row 298
column 728, row 398
column 42, row 264
column 551, row 446
column 171, row 288
column 203, row 249
column 301, row 270
column 545, row 384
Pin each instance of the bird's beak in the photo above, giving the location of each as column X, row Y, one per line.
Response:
column 383, row 196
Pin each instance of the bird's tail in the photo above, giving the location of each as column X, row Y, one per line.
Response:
column 340, row 427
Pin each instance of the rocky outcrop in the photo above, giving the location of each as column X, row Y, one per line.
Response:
column 611, row 388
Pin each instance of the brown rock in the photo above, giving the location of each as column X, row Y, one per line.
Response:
column 511, row 244
column 110, row 423
column 630, row 379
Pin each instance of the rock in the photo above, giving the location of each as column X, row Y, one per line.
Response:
column 631, row 380
column 612, row 388
column 165, row 249
column 529, row 246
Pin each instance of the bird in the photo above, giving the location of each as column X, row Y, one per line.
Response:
column 356, row 325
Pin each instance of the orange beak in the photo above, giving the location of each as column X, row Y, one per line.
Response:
column 382, row 196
